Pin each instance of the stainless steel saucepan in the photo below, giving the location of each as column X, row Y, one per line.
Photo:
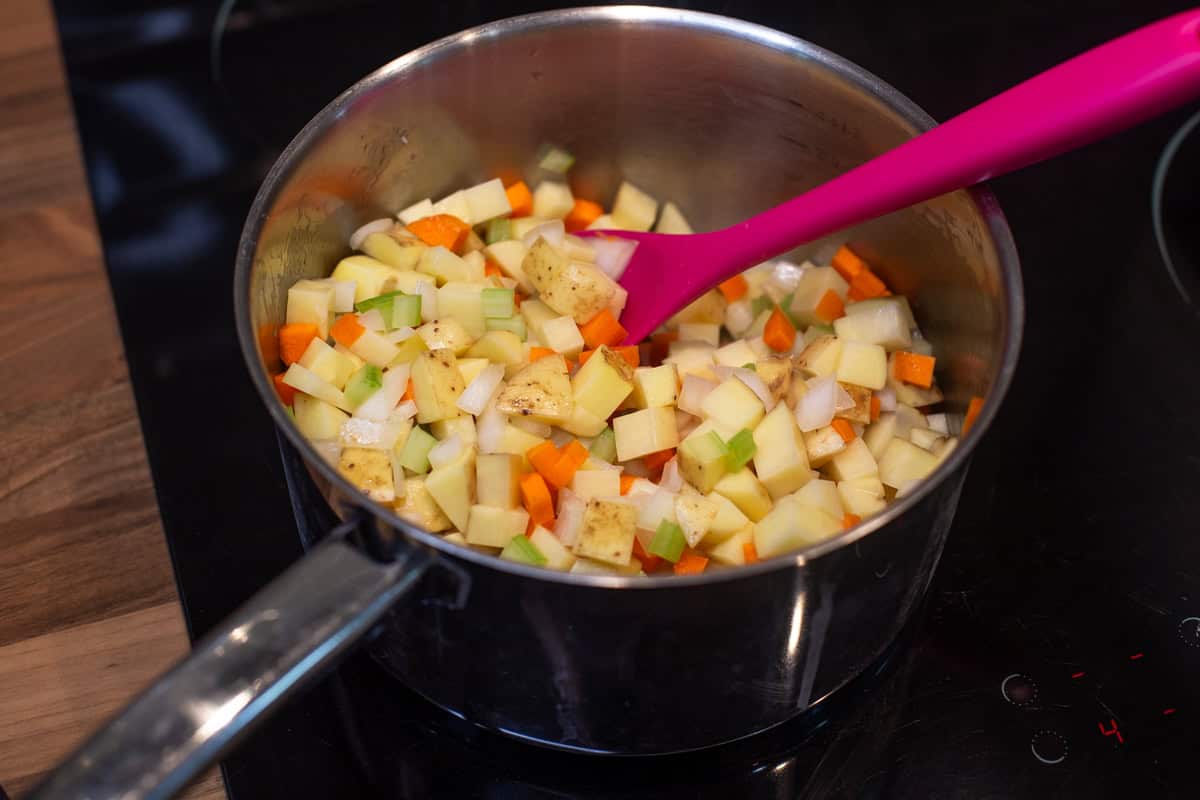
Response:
column 726, row 118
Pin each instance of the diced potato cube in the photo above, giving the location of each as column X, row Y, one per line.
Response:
column 300, row 378
column 446, row 333
column 486, row 201
column 924, row 438
column 707, row 308
column 780, row 459
column 882, row 323
column 374, row 348
column 746, row 493
column 702, row 459
column 370, row 471
column 633, row 208
column 822, row 445
column 452, row 486
column 729, row 520
column 706, row 332
column 791, row 526
column 602, row 383
column 455, row 205
column 557, row 555
column 537, row 314
column 317, row 419
column 463, row 427
column 490, row 526
column 862, row 364
column 418, row 507
column 821, row 357
column 776, row 373
column 562, row 335
column 499, row 347
column 813, row 284
column 455, row 537
column 607, row 531
column 861, row 412
column 444, row 266
column 508, row 255
column 370, row 277
column 655, row 386
column 695, row 514
column 541, row 390
column 470, row 368
column 821, row 494
column 583, row 422
column 879, row 433
column 327, row 363
column 552, row 200
column 397, row 248
column 573, row 288
column 859, row 497
column 311, row 302
column 733, row 405
column 589, row 483
column 462, row 303
column 735, row 354
column 417, row 211
column 437, row 385
column 855, row 461
column 732, row 550
column 645, row 431
column 672, row 220
column 903, row 461
column 498, row 479
column 691, row 358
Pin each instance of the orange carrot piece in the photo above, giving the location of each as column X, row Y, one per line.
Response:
column 585, row 355
column 866, row 285
column 750, row 553
column 629, row 352
column 603, row 329
column 569, row 461
column 690, row 563
column 408, row 391
column 582, row 214
column 973, row 409
column 779, row 335
column 850, row 520
column 346, row 330
column 655, row 461
column 491, row 270
column 627, row 483
column 649, row 562
column 844, row 429
column 874, row 408
column 543, row 457
column 914, row 368
column 848, row 264
column 445, row 230
column 536, row 498
column 830, row 306
column 287, row 395
column 735, row 288
column 538, row 353
column 294, row 340
column 520, row 198
column 268, row 342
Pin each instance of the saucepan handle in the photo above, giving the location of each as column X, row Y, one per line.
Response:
column 302, row 622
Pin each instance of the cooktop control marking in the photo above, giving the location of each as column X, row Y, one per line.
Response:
column 1189, row 631
column 1078, row 675
column 1018, row 689
column 1112, row 731
column 1049, row 747
column 1136, row 656
column 1168, row 712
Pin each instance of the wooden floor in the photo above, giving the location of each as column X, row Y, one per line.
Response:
column 88, row 611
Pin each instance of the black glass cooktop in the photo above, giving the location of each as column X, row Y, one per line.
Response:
column 1058, row 651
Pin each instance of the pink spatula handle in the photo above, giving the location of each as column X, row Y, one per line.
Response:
column 1102, row 91
column 1110, row 88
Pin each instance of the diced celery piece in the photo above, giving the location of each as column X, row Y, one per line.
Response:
column 760, row 304
column 366, row 381
column 668, row 541
column 513, row 324
column 415, row 454
column 498, row 303
column 382, row 302
column 406, row 310
column 499, row 230
column 408, row 350
column 604, row 446
column 555, row 159
column 741, row 449
column 523, row 551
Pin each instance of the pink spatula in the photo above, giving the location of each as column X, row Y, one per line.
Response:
column 1108, row 89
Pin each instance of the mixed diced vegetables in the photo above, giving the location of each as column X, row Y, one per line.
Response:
column 468, row 368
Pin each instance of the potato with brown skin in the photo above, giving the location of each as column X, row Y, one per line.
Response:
column 540, row 390
column 861, row 396
column 370, row 471
column 437, row 385
column 607, row 532
column 775, row 373
column 418, row 507
column 446, row 334
column 572, row 288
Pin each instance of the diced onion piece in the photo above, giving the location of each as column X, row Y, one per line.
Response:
column 685, row 423
column 372, row 320
column 842, row 399
column 695, row 389
column 552, row 231
column 560, row 438
column 489, row 430
column 357, row 432
column 760, row 348
column 785, row 276
column 816, row 408
column 739, row 316
column 380, row 405
column 570, row 517
column 343, row 295
column 938, row 422
column 578, row 249
column 613, row 254
column 399, row 335
column 887, row 400
column 374, row 226
column 406, row 410
column 671, row 480
column 429, row 304
column 446, row 451
column 539, row 429
column 757, row 385
column 481, row 390
column 654, row 508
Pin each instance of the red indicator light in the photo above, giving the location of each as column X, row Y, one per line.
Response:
column 1079, row 674
column 1136, row 656
column 1168, row 712
column 1113, row 731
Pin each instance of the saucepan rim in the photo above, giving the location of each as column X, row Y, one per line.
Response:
column 707, row 24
